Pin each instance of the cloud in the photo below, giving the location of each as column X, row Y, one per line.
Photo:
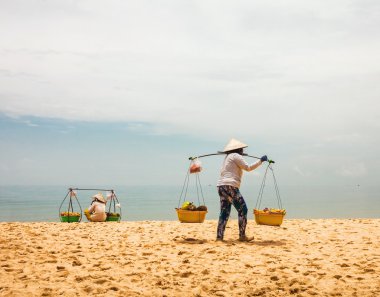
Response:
column 297, row 169
column 30, row 124
column 255, row 69
column 353, row 170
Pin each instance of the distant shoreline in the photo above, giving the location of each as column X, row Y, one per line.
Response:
column 250, row 221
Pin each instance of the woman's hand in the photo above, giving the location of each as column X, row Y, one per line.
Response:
column 264, row 158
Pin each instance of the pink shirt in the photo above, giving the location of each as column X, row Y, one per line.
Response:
column 98, row 212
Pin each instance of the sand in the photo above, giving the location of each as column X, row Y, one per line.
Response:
column 300, row 258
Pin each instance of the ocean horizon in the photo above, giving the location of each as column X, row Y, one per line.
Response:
column 139, row 203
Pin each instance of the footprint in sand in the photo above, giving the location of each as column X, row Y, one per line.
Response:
column 59, row 268
column 88, row 289
column 274, row 278
column 77, row 263
column 186, row 274
column 100, row 281
column 47, row 292
column 193, row 240
column 80, row 279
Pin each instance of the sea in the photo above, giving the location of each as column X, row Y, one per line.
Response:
column 148, row 202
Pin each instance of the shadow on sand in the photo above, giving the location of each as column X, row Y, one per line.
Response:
column 190, row 240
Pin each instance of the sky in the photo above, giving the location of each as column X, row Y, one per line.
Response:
column 123, row 92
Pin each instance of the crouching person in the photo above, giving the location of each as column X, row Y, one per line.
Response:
column 97, row 210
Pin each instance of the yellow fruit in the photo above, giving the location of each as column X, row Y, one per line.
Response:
column 71, row 214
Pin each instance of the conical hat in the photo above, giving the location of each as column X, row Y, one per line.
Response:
column 100, row 197
column 234, row 144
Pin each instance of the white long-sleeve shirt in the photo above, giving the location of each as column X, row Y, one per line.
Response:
column 232, row 170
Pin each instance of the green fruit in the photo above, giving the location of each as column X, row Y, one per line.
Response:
column 186, row 205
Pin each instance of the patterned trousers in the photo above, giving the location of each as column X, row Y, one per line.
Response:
column 231, row 195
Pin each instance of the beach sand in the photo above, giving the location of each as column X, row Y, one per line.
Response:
column 327, row 257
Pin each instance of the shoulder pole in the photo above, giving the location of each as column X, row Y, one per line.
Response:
column 193, row 158
column 221, row 153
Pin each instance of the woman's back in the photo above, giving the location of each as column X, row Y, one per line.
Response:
column 97, row 207
column 231, row 173
column 98, row 211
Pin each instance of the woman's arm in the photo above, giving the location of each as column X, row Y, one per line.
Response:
column 91, row 208
column 238, row 159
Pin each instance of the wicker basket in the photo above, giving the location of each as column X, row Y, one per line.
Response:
column 191, row 216
column 113, row 219
column 70, row 219
column 268, row 218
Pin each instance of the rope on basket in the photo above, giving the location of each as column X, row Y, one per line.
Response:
column 185, row 187
column 261, row 192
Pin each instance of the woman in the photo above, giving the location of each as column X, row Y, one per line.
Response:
column 97, row 210
column 229, row 184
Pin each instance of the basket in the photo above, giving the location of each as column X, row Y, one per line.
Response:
column 268, row 218
column 191, row 216
column 70, row 219
column 113, row 218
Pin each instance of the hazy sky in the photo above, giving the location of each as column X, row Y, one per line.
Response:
column 122, row 92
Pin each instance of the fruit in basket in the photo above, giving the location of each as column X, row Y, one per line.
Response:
column 113, row 214
column 190, row 206
column 70, row 214
column 271, row 211
column 186, row 205
column 277, row 211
